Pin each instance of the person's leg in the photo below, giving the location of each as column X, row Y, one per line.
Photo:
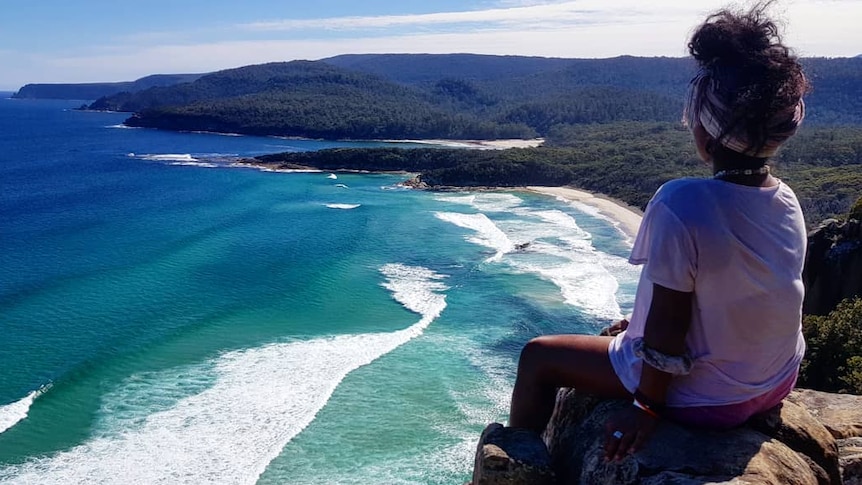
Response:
column 550, row 362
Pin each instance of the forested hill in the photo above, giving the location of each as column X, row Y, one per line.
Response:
column 836, row 93
column 510, row 76
column 430, row 68
column 98, row 90
column 461, row 96
column 306, row 99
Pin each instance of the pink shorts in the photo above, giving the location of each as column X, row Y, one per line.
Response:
column 731, row 415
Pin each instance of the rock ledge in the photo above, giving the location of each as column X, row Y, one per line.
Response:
column 812, row 438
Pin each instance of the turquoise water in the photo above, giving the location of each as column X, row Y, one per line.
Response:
column 166, row 318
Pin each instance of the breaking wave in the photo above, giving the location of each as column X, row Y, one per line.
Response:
column 259, row 399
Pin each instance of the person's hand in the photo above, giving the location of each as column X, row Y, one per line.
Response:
column 627, row 431
column 616, row 328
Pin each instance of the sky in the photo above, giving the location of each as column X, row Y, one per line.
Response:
column 121, row 40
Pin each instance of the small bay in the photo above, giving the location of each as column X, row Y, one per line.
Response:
column 168, row 318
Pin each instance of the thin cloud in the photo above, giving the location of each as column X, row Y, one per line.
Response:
column 573, row 12
column 628, row 27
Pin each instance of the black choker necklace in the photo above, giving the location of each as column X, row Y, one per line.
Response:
column 764, row 170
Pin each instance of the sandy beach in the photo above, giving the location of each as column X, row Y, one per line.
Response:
column 477, row 144
column 628, row 216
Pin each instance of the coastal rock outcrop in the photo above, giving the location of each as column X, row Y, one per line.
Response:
column 833, row 265
column 812, row 438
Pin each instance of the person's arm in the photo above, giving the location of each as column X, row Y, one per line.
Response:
column 666, row 247
column 666, row 327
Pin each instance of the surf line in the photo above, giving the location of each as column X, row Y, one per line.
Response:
column 13, row 413
column 260, row 400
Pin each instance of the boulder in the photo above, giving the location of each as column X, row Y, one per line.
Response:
column 511, row 456
column 841, row 414
column 812, row 438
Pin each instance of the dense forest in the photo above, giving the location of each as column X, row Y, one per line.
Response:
column 460, row 96
column 626, row 160
column 308, row 99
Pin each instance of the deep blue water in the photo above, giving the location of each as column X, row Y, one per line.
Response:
column 165, row 318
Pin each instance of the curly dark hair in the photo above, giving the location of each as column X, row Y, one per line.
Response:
column 759, row 76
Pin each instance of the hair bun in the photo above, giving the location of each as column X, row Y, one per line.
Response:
column 729, row 37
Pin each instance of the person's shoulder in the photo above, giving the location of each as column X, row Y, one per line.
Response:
column 679, row 191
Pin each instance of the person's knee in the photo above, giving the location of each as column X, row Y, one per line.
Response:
column 533, row 353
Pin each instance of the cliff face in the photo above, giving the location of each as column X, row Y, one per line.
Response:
column 833, row 265
column 812, row 438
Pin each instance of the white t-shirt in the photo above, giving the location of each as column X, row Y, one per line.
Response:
column 740, row 249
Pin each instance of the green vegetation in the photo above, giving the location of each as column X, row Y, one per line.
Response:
column 308, row 99
column 458, row 96
column 344, row 112
column 856, row 210
column 833, row 361
column 626, row 160
column 824, row 167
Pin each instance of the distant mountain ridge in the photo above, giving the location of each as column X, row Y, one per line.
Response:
column 622, row 71
column 98, row 90
column 450, row 96
column 430, row 68
column 836, row 96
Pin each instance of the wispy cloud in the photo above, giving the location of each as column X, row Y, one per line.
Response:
column 586, row 28
column 571, row 12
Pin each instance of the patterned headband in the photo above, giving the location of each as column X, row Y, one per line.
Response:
column 705, row 105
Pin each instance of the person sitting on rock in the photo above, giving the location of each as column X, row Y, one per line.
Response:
column 715, row 335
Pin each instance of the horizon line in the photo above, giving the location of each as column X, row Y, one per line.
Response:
column 13, row 90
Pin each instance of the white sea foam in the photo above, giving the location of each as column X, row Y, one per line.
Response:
column 488, row 234
column 588, row 279
column 195, row 164
column 343, row 206
column 557, row 250
column 457, row 199
column 332, row 176
column 165, row 157
column 598, row 214
column 278, row 170
column 563, row 220
column 583, row 283
column 122, row 127
column 216, row 133
column 206, row 160
column 13, row 413
column 261, row 398
column 481, row 400
column 342, row 186
column 485, row 201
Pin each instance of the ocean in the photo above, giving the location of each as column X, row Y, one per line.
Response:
column 166, row 317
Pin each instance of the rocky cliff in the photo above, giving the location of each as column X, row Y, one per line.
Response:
column 833, row 266
column 812, row 438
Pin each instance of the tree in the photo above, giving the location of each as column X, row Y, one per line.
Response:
column 833, row 361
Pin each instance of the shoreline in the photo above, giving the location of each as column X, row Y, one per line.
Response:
column 501, row 144
column 628, row 217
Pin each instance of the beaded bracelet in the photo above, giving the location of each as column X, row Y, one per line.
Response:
column 645, row 409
